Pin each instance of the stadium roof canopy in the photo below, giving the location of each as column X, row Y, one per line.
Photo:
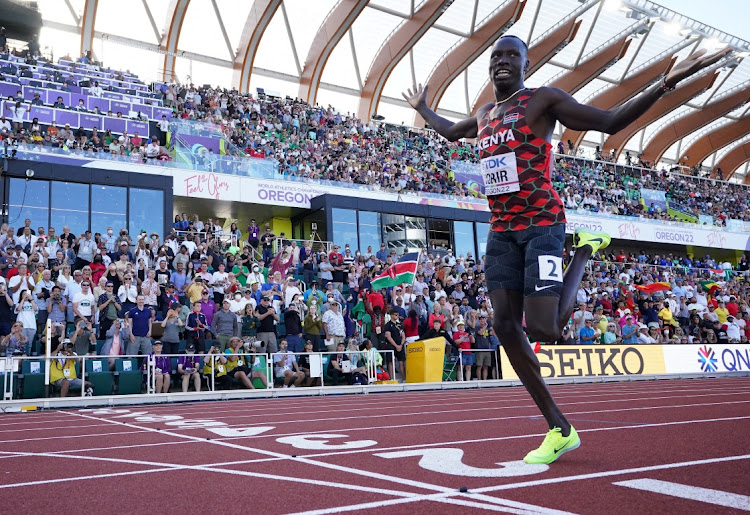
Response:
column 359, row 55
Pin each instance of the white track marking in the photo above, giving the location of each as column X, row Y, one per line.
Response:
column 575, row 390
column 392, row 448
column 348, row 470
column 692, row 493
column 483, row 405
column 434, row 497
column 398, row 426
column 161, row 467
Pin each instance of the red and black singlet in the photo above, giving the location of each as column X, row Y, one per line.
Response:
column 532, row 200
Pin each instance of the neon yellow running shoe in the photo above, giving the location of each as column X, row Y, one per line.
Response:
column 596, row 240
column 553, row 446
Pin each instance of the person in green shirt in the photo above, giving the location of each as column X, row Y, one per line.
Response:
column 240, row 273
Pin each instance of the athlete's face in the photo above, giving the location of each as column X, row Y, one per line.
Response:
column 508, row 62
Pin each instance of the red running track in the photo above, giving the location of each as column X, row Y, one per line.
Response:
column 655, row 447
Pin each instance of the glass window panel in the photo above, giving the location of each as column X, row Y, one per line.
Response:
column 369, row 231
column 28, row 199
column 146, row 211
column 344, row 233
column 482, row 233
column 70, row 206
column 109, row 199
column 463, row 235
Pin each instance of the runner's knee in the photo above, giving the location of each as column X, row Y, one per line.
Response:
column 542, row 331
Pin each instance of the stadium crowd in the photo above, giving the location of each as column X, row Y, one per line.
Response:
column 321, row 143
column 196, row 291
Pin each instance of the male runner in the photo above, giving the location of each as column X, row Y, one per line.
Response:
column 527, row 222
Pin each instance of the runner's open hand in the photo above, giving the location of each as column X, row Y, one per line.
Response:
column 416, row 96
column 693, row 64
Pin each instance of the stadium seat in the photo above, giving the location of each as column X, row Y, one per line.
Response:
column 32, row 379
column 129, row 376
column 98, row 374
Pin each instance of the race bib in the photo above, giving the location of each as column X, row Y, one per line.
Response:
column 500, row 174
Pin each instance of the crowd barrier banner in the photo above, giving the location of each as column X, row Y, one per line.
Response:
column 424, row 361
column 656, row 231
column 594, row 360
column 706, row 358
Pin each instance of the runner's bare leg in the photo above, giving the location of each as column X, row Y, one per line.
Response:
column 508, row 308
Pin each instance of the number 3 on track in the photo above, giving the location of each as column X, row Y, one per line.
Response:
column 448, row 461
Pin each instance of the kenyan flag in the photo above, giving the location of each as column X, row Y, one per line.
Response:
column 398, row 273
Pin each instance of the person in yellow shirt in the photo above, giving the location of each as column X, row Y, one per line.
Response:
column 195, row 290
column 239, row 365
column 722, row 312
column 600, row 322
column 62, row 370
column 666, row 315
column 215, row 359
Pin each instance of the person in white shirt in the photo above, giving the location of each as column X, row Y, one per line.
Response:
column 733, row 330
column 20, row 283
column 289, row 290
column 643, row 336
column 83, row 302
column 219, row 281
column 96, row 90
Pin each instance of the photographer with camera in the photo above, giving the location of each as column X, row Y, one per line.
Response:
column 116, row 339
column 42, row 294
column 240, row 366
column 83, row 338
column 62, row 373
column 215, row 363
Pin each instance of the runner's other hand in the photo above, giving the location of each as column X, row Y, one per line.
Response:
column 694, row 63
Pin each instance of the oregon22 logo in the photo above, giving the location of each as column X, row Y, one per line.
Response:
column 707, row 359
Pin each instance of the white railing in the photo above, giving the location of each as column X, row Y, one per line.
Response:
column 11, row 367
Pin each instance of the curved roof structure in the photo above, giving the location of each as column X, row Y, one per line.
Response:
column 359, row 55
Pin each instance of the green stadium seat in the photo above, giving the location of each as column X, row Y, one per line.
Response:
column 129, row 378
column 32, row 383
column 98, row 374
column 99, row 346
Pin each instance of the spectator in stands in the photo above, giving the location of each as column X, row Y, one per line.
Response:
column 141, row 319
column 162, row 367
column 63, row 370
column 188, row 368
column 117, row 337
column 285, row 367
column 267, row 318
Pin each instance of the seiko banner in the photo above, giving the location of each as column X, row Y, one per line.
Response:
column 629, row 360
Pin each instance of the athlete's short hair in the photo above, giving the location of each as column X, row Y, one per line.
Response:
column 525, row 46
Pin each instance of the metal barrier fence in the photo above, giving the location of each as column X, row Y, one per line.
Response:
column 12, row 369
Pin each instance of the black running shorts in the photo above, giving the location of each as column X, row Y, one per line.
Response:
column 529, row 260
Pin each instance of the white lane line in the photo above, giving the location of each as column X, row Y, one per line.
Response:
column 434, row 497
column 515, row 396
column 692, row 493
column 483, row 406
column 375, row 398
column 323, row 465
column 170, row 466
column 398, row 426
column 381, row 449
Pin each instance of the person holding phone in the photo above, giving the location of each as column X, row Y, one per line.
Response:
column 84, row 338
